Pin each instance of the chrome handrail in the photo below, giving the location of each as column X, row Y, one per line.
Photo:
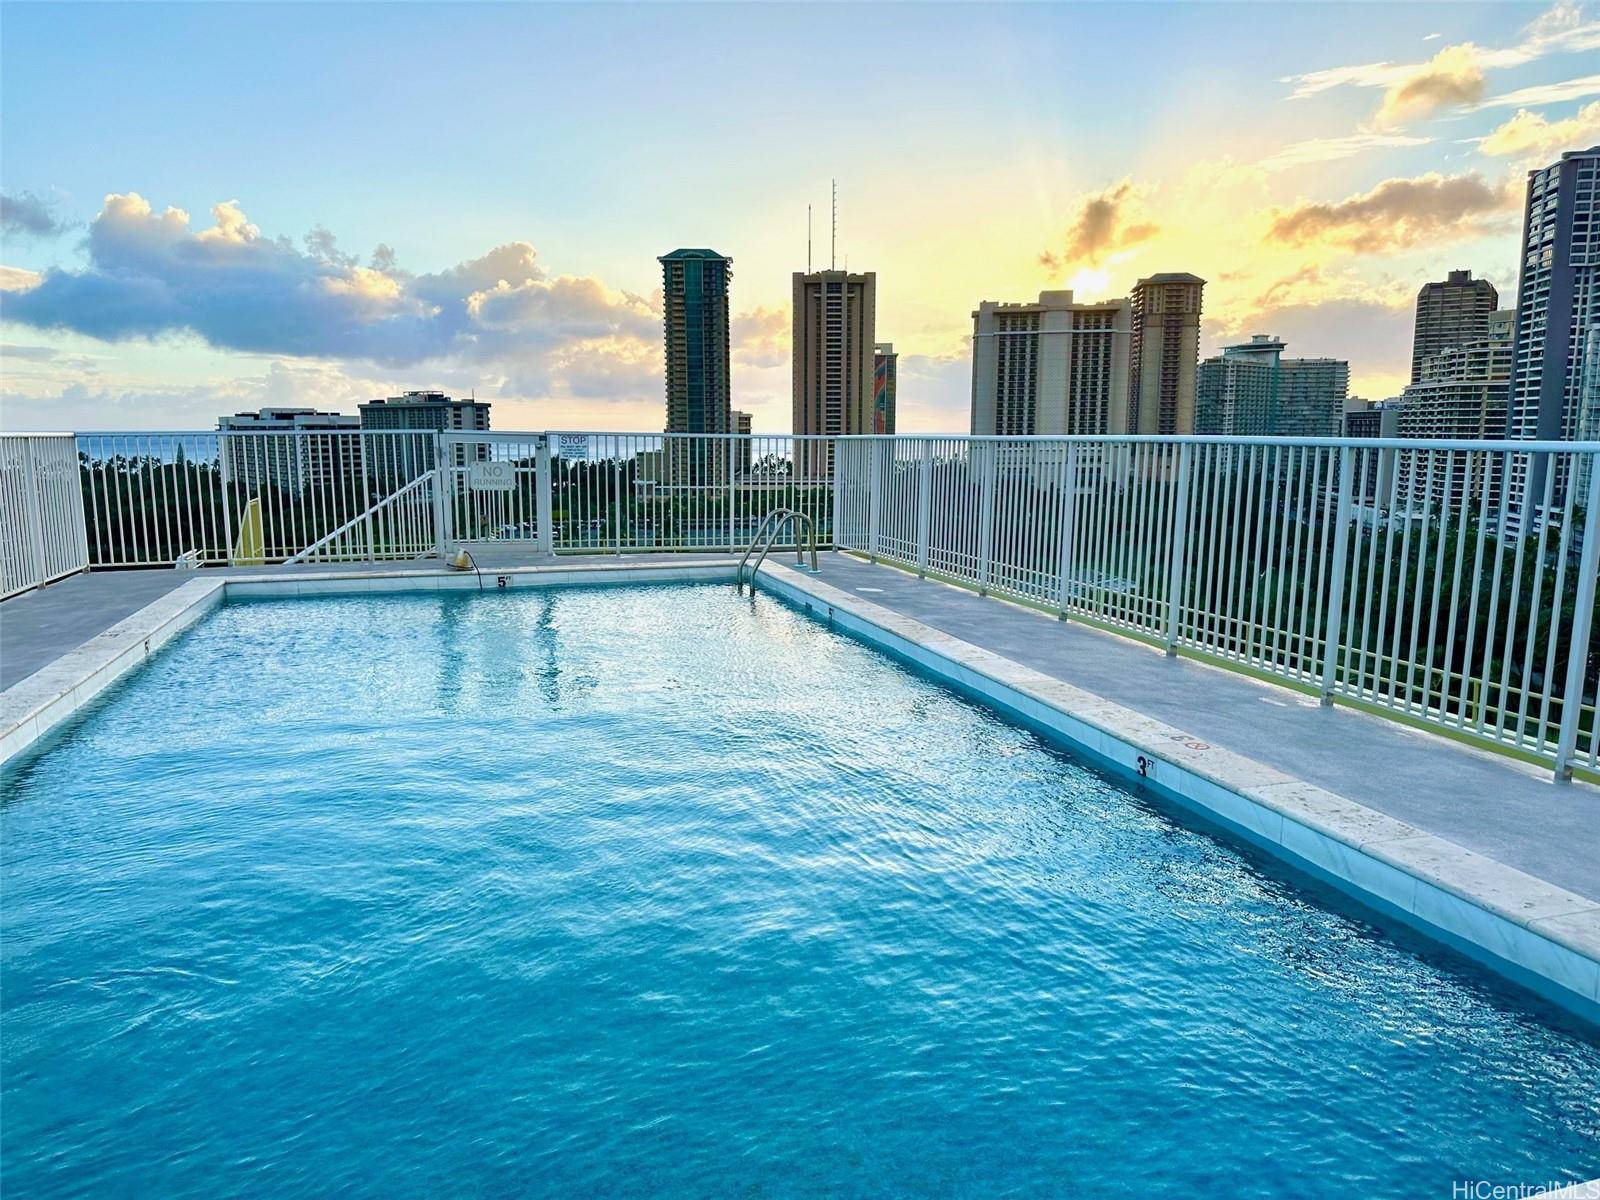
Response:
column 775, row 519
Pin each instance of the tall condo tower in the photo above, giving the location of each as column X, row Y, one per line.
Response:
column 694, row 291
column 1166, row 349
column 1451, row 312
column 834, row 326
column 1051, row 366
column 1558, row 302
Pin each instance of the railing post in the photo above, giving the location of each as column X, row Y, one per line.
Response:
column 924, row 507
column 1177, row 562
column 225, row 482
column 543, row 506
column 83, row 513
column 733, row 445
column 32, row 509
column 441, row 472
column 986, row 484
column 1578, row 654
column 875, row 498
column 1336, row 581
column 832, row 449
column 1069, row 528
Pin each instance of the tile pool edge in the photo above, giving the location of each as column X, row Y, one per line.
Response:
column 33, row 706
column 587, row 574
column 37, row 704
column 1538, row 935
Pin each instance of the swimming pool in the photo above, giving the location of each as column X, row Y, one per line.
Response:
column 657, row 891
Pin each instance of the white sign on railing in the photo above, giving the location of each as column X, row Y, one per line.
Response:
column 571, row 445
column 492, row 477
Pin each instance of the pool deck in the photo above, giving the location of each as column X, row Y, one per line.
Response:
column 1270, row 737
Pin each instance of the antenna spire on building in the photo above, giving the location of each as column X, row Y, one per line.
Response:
column 833, row 243
column 808, row 239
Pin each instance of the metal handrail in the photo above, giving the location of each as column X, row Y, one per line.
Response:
column 775, row 519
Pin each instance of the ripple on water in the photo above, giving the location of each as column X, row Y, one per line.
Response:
column 654, row 891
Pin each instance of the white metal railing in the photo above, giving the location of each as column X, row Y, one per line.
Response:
column 1451, row 583
column 42, row 535
column 615, row 493
column 252, row 497
column 249, row 497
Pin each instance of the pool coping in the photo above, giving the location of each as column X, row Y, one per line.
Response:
column 1541, row 936
column 1532, row 932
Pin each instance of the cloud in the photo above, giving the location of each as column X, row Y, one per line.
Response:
column 1541, row 94
column 935, row 391
column 1396, row 214
column 1107, row 222
column 1455, row 75
column 1532, row 135
column 153, row 274
column 25, row 215
column 1451, row 78
column 761, row 337
column 13, row 353
column 17, row 279
column 1319, row 150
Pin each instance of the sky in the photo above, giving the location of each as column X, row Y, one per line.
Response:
column 211, row 208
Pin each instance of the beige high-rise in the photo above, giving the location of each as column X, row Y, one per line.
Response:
column 1166, row 350
column 834, row 326
column 1050, row 367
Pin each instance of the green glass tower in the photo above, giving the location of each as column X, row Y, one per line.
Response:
column 694, row 290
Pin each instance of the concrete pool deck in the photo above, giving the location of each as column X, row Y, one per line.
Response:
column 1400, row 808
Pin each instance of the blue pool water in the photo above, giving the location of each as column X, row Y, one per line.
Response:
column 660, row 892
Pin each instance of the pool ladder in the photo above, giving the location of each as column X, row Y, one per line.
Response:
column 771, row 526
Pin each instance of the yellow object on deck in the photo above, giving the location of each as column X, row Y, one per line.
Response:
column 251, row 548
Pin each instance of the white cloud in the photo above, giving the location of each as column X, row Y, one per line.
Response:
column 1531, row 135
column 1397, row 213
column 1455, row 75
column 18, row 279
column 1451, row 78
column 1319, row 150
column 1544, row 93
column 152, row 275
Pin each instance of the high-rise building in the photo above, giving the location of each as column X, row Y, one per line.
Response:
column 834, row 328
column 399, row 460
column 885, row 383
column 1558, row 299
column 743, row 453
column 1051, row 366
column 1460, row 391
column 1589, row 400
column 425, row 410
column 1166, row 349
column 290, row 448
column 1371, row 419
column 694, row 290
column 1365, row 419
column 1450, row 312
column 1251, row 390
